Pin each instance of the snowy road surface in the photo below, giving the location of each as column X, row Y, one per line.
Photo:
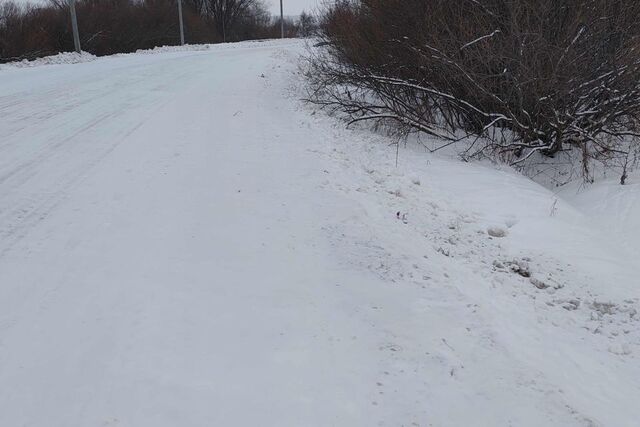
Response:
column 182, row 243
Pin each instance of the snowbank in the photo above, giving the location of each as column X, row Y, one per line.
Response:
column 76, row 58
column 61, row 58
column 613, row 208
column 525, row 291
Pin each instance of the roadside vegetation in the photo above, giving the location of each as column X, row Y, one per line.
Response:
column 518, row 81
column 122, row 26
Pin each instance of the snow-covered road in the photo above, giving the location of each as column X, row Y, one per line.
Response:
column 160, row 260
column 183, row 244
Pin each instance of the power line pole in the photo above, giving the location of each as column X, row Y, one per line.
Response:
column 281, row 21
column 181, row 23
column 74, row 26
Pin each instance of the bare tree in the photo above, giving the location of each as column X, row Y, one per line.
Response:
column 112, row 26
column 228, row 13
column 307, row 24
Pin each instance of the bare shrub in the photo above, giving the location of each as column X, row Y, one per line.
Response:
column 307, row 24
column 525, row 77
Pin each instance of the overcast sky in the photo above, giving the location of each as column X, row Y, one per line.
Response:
column 292, row 7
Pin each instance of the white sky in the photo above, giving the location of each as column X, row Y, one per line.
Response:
column 293, row 7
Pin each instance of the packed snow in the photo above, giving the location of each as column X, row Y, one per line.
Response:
column 184, row 242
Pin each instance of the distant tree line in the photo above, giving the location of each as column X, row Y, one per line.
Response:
column 516, row 80
column 120, row 26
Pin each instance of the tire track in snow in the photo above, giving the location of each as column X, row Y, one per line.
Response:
column 75, row 147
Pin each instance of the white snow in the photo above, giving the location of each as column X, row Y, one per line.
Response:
column 76, row 58
column 183, row 242
column 614, row 208
column 60, row 58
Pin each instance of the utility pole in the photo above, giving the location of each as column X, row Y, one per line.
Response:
column 281, row 21
column 74, row 26
column 181, row 23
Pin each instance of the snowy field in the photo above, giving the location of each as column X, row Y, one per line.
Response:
column 184, row 243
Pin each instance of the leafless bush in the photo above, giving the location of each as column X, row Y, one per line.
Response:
column 114, row 26
column 27, row 32
column 525, row 77
column 307, row 24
